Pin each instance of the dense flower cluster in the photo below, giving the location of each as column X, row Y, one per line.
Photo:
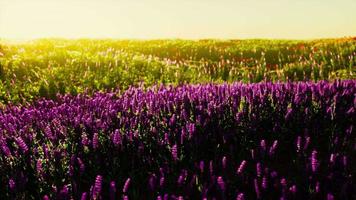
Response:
column 228, row 141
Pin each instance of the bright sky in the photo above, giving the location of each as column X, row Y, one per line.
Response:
column 191, row 19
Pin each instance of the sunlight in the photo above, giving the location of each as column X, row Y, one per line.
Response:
column 147, row 19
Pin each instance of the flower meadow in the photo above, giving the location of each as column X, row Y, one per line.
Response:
column 282, row 140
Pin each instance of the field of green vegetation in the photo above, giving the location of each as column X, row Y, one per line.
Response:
column 46, row 67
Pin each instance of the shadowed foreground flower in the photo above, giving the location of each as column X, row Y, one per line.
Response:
column 175, row 152
column 12, row 184
column 240, row 196
column 97, row 186
column 221, row 183
column 126, row 185
column 241, row 167
column 112, row 190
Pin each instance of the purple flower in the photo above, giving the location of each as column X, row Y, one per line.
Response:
column 112, row 190
column 117, row 138
column 241, row 167
column 264, row 183
column 330, row 196
column 84, row 196
column 97, row 186
column 263, row 145
column 258, row 169
column 314, row 161
column 95, row 141
column 12, row 184
column 221, row 183
column 126, row 185
column 175, row 152
column 201, row 166
column 223, row 162
column 22, row 145
column 161, row 181
column 257, row 189
column 240, row 196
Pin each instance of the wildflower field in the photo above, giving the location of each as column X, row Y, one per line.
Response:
column 178, row 119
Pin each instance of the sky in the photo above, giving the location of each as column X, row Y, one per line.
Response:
column 185, row 19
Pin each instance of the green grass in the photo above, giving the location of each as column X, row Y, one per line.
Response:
column 46, row 67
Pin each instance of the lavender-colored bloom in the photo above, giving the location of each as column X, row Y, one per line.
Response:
column 317, row 187
column 314, row 161
column 329, row 196
column 112, row 190
column 45, row 197
column 332, row 158
column 12, row 184
column 240, row 196
column 126, row 185
column 258, row 169
column 126, row 197
column 223, row 162
column 299, row 141
column 81, row 166
column 84, row 196
column 180, row 180
column 97, row 186
column 95, row 141
column 175, row 152
column 5, row 149
column 257, row 189
column 273, row 147
column 64, row 192
column 152, row 182
column 344, row 160
column 306, row 144
column 201, row 166
column 22, row 145
column 264, row 183
column 161, row 181
column 221, row 183
column 241, row 167
column 116, row 138
column 293, row 189
column 211, row 167
column 263, row 145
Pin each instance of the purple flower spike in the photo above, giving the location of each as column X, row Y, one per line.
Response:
column 223, row 162
column 293, row 189
column 258, row 169
column 314, row 161
column 84, row 196
column 161, row 181
column 263, row 145
column 175, row 152
column 241, row 167
column 12, row 184
column 299, row 141
column 22, row 145
column 45, row 197
column 126, row 185
column 330, row 196
column 97, row 186
column 95, row 141
column 240, row 196
column 257, row 189
column 201, row 166
column 221, row 183
column 112, row 190
column 264, row 183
